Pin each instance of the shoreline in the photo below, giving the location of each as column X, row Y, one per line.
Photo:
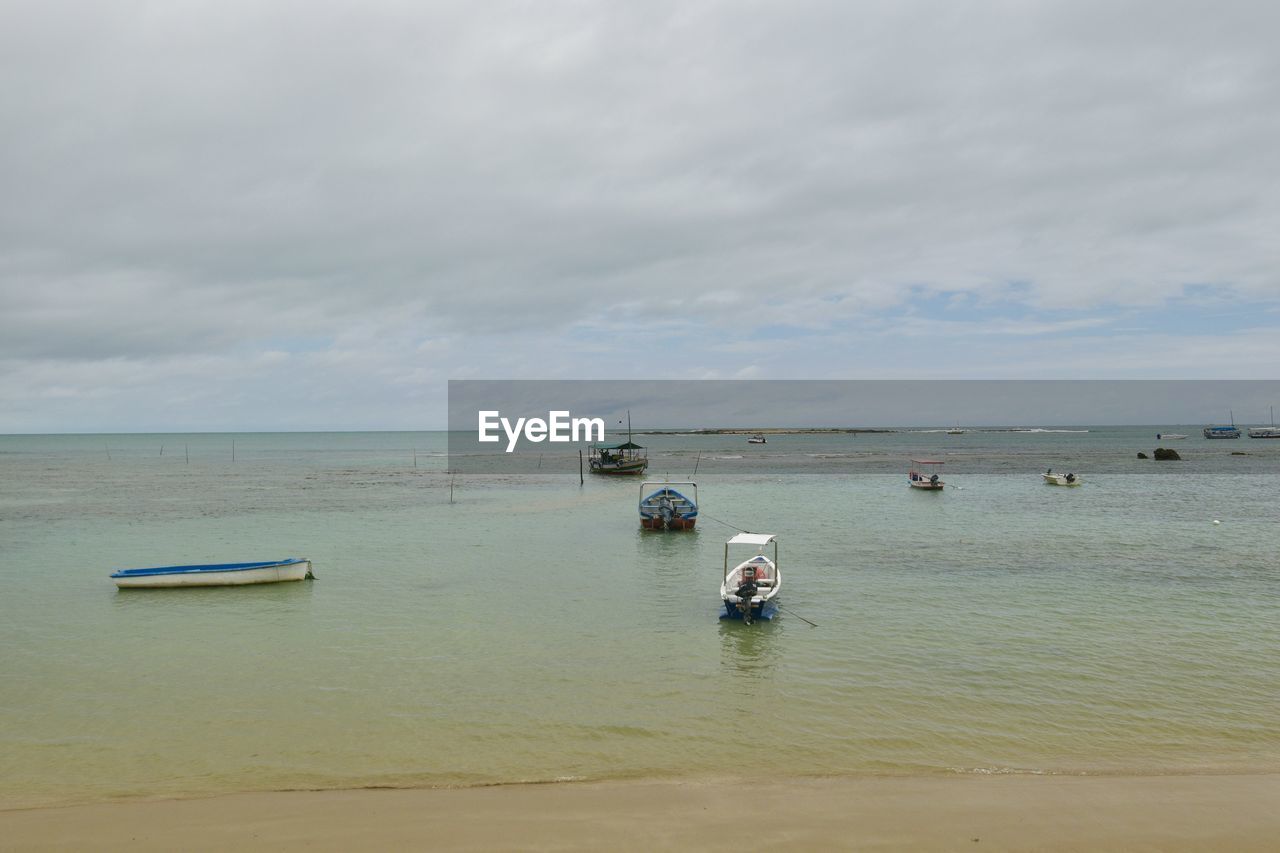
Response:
column 1181, row 812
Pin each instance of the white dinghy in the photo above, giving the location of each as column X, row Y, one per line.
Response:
column 220, row 574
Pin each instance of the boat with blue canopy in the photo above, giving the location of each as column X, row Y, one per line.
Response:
column 1223, row 431
column 218, row 574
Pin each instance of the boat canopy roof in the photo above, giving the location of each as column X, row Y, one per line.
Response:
column 753, row 539
column 626, row 445
column 927, row 462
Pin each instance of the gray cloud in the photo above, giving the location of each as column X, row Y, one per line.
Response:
column 215, row 180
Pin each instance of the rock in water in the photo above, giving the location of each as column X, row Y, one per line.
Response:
column 1166, row 453
column 1142, row 455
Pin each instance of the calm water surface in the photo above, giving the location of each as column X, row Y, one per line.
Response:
column 530, row 631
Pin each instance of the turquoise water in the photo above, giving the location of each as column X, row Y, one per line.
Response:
column 529, row 631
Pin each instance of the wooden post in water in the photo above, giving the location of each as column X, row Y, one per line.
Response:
column 233, row 450
column 451, row 479
column 415, row 457
column 162, row 450
column 580, row 480
column 186, row 450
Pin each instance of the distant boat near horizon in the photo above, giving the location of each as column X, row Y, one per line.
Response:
column 1169, row 436
column 1267, row 431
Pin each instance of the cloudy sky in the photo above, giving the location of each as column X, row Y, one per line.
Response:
column 301, row 215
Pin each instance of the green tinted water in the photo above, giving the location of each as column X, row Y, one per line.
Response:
column 530, row 631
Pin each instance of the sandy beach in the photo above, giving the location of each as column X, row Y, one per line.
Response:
column 886, row 813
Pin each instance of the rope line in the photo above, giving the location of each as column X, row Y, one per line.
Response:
column 725, row 523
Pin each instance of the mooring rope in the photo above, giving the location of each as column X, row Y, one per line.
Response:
column 725, row 523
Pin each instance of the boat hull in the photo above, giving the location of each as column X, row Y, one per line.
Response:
column 764, row 610
column 926, row 486
column 1264, row 432
column 229, row 574
column 1060, row 480
column 619, row 470
column 674, row 524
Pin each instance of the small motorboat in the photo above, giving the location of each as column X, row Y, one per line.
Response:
column 220, row 574
column 1060, row 479
column 925, row 476
column 663, row 507
column 757, row 439
column 750, row 589
column 1169, row 436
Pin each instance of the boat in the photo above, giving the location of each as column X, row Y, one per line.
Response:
column 1272, row 431
column 1061, row 479
column 624, row 458
column 757, row 439
column 220, row 574
column 1169, row 436
column 667, row 508
column 925, row 477
column 750, row 589
column 956, row 431
column 1223, row 431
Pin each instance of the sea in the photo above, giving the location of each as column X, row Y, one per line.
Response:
column 515, row 625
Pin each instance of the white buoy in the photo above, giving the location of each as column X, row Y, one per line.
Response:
column 1215, row 521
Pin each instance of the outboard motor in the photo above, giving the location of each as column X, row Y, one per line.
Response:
column 746, row 591
column 666, row 510
column 934, row 479
column 1071, row 478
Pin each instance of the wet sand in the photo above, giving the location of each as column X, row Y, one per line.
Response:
column 1239, row 813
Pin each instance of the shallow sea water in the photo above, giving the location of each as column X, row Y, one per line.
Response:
column 529, row 631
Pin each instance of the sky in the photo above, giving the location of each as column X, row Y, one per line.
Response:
column 303, row 216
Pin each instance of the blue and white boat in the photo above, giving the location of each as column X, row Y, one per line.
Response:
column 1223, row 431
column 220, row 574
column 667, row 508
column 750, row 589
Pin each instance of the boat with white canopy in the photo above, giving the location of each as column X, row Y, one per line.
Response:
column 923, row 474
column 664, row 507
column 750, row 589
